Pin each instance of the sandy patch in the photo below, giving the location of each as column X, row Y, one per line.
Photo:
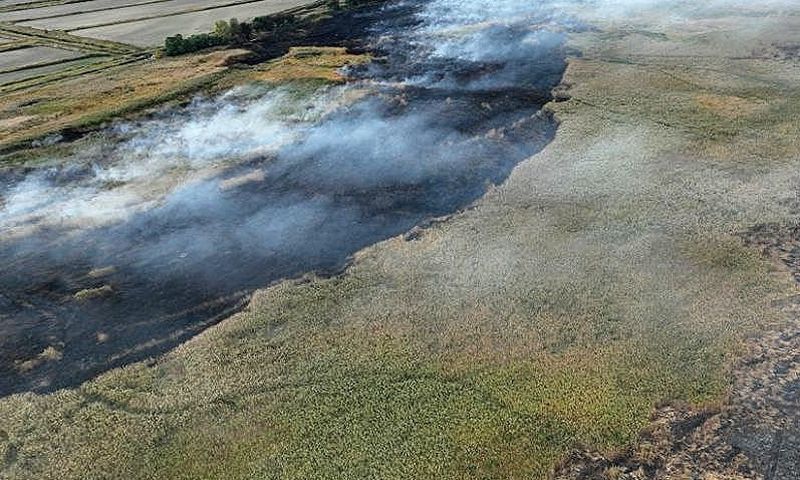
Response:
column 729, row 106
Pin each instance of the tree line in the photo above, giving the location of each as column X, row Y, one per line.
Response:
column 232, row 32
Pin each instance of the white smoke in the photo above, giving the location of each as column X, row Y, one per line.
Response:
column 180, row 148
column 161, row 155
column 184, row 147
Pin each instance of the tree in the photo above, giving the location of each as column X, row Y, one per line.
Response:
column 223, row 29
column 173, row 45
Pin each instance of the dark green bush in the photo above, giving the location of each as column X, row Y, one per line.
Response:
column 178, row 44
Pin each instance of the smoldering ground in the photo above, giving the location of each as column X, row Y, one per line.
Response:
column 122, row 253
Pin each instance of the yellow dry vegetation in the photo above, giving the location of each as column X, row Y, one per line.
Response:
column 309, row 63
column 85, row 99
column 730, row 106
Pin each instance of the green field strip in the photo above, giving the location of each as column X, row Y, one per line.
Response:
column 16, row 45
column 31, row 66
column 15, row 59
column 43, row 71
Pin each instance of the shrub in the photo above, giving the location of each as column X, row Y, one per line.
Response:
column 225, row 33
column 178, row 44
column 223, row 30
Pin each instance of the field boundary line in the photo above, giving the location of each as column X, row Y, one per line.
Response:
column 48, row 63
column 70, row 72
column 103, row 9
column 67, row 40
column 175, row 14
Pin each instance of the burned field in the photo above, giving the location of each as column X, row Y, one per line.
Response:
column 365, row 171
column 573, row 290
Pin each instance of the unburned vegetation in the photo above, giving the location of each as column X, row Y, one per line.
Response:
column 94, row 98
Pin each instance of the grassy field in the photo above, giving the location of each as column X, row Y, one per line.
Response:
column 605, row 276
column 94, row 97
column 91, row 99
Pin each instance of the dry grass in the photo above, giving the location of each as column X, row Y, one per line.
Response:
column 89, row 294
column 49, row 354
column 92, row 99
column 309, row 63
column 50, row 108
column 729, row 106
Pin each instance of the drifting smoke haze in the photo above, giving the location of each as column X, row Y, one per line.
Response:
column 158, row 156
column 189, row 211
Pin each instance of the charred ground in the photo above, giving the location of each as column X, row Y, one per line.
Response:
column 177, row 269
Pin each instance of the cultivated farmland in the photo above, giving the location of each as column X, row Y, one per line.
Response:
column 26, row 57
column 144, row 24
column 48, row 45
column 22, row 14
column 44, row 43
column 152, row 31
column 129, row 14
